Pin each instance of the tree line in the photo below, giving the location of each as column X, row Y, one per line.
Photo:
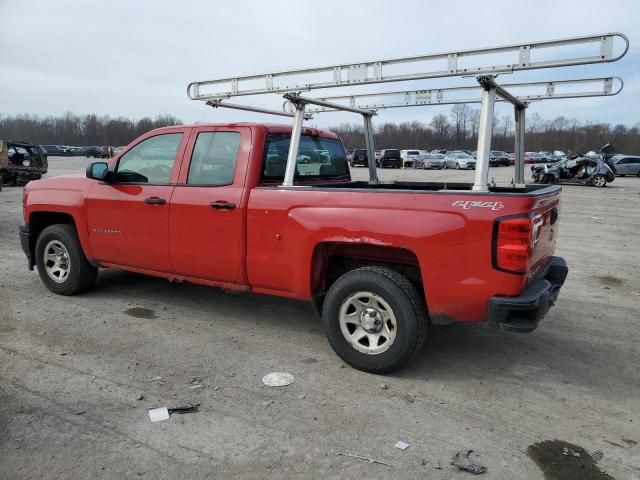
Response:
column 79, row 130
column 457, row 130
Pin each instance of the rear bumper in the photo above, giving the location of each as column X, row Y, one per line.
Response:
column 524, row 312
column 25, row 241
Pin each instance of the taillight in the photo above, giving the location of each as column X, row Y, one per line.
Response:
column 513, row 244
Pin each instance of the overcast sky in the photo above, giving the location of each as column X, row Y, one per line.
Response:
column 135, row 58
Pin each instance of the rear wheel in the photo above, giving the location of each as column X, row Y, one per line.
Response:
column 599, row 181
column 375, row 319
column 62, row 265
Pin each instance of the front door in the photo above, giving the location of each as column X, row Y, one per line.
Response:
column 128, row 216
column 206, row 216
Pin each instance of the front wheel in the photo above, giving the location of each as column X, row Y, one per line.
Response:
column 62, row 265
column 599, row 181
column 375, row 319
column 457, row 166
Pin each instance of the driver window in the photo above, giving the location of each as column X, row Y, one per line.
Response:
column 150, row 161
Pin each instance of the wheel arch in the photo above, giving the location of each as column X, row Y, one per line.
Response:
column 332, row 259
column 39, row 220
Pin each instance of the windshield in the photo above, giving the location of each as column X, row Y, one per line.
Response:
column 318, row 158
column 413, row 152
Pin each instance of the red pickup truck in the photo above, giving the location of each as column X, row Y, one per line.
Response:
column 381, row 262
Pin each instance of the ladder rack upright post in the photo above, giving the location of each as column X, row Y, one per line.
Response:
column 519, row 133
column 371, row 150
column 485, row 131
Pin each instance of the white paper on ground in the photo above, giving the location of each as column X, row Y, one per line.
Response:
column 158, row 414
column 401, row 445
column 278, row 379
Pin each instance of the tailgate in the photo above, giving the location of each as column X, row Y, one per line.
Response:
column 546, row 220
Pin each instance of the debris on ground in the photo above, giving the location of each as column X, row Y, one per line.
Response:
column 402, row 445
column 80, row 412
column 309, row 360
column 266, row 403
column 162, row 413
column 383, row 386
column 155, row 379
column 278, row 379
column 158, row 414
column 139, row 396
column 362, row 457
column 561, row 460
column 636, row 293
column 463, row 461
column 597, row 218
column 629, row 441
column 196, row 386
column 437, row 465
column 188, row 408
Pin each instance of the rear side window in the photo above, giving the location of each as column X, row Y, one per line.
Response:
column 318, row 158
column 150, row 161
column 214, row 158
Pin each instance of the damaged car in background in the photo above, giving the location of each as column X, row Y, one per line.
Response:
column 21, row 162
column 595, row 171
column 580, row 170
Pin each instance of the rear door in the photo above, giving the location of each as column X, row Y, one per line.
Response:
column 129, row 217
column 206, row 217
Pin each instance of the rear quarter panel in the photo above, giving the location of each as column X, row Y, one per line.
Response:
column 450, row 236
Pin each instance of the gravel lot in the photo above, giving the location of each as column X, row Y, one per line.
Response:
column 73, row 370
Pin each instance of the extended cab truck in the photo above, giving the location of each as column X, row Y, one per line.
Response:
column 380, row 262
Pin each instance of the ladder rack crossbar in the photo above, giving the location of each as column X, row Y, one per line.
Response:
column 446, row 96
column 363, row 73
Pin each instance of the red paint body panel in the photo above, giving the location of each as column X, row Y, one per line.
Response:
column 270, row 242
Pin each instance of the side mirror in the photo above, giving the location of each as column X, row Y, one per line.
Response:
column 98, row 171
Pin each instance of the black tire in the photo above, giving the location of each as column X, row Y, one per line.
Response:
column 406, row 304
column 82, row 274
column 457, row 166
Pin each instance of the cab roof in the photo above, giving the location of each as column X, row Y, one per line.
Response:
column 269, row 127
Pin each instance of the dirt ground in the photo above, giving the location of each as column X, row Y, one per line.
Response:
column 77, row 375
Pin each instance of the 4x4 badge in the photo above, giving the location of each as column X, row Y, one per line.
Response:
column 467, row 204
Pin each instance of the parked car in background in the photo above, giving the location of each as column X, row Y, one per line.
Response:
column 54, row 150
column 580, row 170
column 77, row 151
column 430, row 160
column 498, row 158
column 360, row 158
column 409, row 157
column 390, row 158
column 439, row 150
column 528, row 159
column 115, row 150
column 627, row 165
column 459, row 160
column 95, row 151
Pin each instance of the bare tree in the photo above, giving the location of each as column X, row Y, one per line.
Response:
column 460, row 115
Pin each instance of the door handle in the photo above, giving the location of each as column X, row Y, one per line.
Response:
column 222, row 205
column 155, row 201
